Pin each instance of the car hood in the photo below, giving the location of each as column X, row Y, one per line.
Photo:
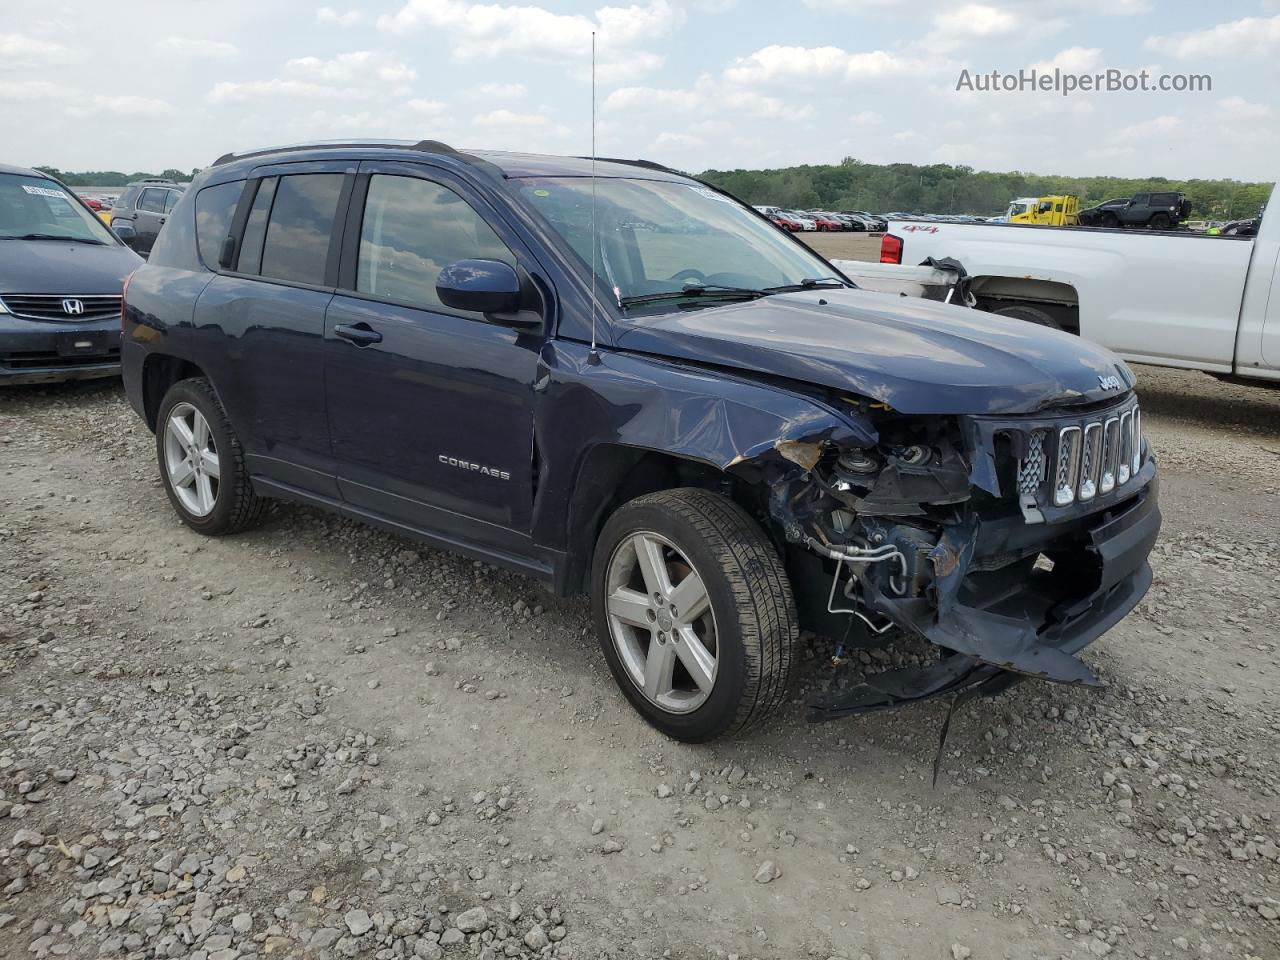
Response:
column 918, row 356
column 51, row 266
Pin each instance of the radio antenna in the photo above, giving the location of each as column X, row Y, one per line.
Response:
column 594, row 356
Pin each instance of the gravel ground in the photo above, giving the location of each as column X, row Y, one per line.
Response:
column 320, row 740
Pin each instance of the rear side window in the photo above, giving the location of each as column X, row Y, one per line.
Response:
column 412, row 230
column 300, row 226
column 215, row 206
column 171, row 199
column 152, row 201
column 255, row 230
column 1163, row 199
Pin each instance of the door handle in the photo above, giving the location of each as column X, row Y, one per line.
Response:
column 361, row 334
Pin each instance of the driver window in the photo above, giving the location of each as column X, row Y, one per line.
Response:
column 412, row 230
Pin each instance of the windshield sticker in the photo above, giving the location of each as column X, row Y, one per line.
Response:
column 43, row 192
column 711, row 194
column 542, row 193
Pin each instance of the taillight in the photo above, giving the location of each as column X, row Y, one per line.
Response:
column 124, row 293
column 890, row 249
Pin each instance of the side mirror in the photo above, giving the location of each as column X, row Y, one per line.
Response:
column 126, row 233
column 481, row 286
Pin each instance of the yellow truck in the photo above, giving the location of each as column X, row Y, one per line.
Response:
column 1059, row 211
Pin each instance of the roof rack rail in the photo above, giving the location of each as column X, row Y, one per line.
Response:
column 426, row 146
column 155, row 180
column 647, row 164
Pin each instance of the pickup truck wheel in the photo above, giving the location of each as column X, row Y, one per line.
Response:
column 694, row 613
column 201, row 463
column 1024, row 311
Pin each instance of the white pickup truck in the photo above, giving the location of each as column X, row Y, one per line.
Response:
column 1176, row 298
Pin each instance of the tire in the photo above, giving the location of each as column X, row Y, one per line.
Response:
column 1160, row 221
column 231, row 505
column 749, row 612
column 1025, row 311
column 1109, row 220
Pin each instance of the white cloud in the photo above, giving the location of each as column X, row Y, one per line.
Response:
column 1254, row 36
column 427, row 108
column 503, row 91
column 783, row 63
column 359, row 67
column 360, row 75
column 1241, row 108
column 130, row 105
column 866, row 118
column 348, row 18
column 34, row 91
column 977, row 20
column 1155, row 127
column 708, row 96
column 194, row 48
column 480, row 31
column 17, row 49
column 1072, row 60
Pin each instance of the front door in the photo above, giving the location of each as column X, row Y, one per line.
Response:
column 430, row 408
column 150, row 218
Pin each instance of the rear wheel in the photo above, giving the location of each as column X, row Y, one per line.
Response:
column 1160, row 221
column 201, row 463
column 694, row 613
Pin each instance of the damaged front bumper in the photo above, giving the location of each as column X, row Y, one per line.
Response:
column 1034, row 631
column 1007, row 544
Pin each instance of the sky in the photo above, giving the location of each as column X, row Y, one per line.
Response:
column 695, row 84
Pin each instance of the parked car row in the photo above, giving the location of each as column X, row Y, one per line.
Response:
column 798, row 221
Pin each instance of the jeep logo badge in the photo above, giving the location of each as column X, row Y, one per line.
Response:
column 73, row 308
column 1109, row 383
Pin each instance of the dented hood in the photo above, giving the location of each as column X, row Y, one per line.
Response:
column 918, row 356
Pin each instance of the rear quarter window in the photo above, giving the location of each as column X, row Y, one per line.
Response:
column 215, row 207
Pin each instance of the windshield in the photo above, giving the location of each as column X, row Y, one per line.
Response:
column 662, row 237
column 41, row 209
column 1017, row 208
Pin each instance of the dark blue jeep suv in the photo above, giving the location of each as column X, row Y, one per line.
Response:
column 626, row 383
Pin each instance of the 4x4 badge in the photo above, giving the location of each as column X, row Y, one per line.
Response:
column 1109, row 383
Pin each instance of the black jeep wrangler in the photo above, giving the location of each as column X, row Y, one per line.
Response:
column 1155, row 211
column 626, row 383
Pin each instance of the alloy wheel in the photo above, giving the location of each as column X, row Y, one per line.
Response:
column 191, row 459
column 661, row 622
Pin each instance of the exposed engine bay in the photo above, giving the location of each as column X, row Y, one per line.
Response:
column 1007, row 544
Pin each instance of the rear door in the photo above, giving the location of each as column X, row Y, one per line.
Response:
column 269, row 307
column 430, row 408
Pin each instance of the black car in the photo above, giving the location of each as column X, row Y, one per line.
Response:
column 61, row 271
column 712, row 433
column 138, row 214
column 1156, row 211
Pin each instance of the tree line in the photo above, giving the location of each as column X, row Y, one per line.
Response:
column 114, row 178
column 942, row 188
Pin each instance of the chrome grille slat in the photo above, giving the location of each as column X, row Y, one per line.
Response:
column 1068, row 472
column 48, row 306
column 1080, row 460
column 1090, row 461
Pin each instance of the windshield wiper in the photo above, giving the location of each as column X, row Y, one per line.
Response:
column 694, row 290
column 54, row 236
column 809, row 283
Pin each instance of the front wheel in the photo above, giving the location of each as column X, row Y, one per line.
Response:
column 201, row 463
column 694, row 613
